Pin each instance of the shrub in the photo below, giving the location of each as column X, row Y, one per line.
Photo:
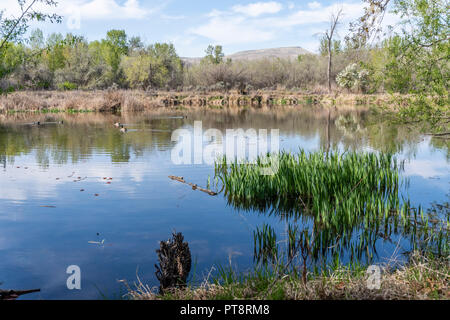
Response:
column 353, row 77
column 67, row 86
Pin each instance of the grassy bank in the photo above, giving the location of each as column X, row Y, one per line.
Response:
column 136, row 100
column 422, row 278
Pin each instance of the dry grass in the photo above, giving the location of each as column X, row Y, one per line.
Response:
column 421, row 279
column 138, row 100
column 106, row 100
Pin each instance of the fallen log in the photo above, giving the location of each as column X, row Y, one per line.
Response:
column 194, row 186
column 14, row 294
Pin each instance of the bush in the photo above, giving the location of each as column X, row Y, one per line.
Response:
column 353, row 77
column 67, row 86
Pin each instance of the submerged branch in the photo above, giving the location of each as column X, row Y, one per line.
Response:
column 194, row 186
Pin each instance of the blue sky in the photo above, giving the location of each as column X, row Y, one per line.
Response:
column 192, row 25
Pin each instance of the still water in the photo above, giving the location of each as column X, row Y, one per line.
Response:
column 65, row 186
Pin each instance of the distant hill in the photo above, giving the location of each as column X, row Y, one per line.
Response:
column 286, row 52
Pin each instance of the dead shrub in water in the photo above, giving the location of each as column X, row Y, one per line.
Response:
column 174, row 262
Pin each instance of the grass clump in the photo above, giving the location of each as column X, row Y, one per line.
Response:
column 333, row 187
column 344, row 203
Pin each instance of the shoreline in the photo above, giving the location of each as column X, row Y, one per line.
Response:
column 139, row 100
column 422, row 278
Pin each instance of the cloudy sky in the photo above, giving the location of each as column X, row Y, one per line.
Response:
column 192, row 25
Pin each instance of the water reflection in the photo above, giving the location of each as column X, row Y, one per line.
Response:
column 40, row 166
column 84, row 134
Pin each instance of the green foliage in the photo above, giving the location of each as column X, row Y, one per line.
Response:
column 336, row 47
column 344, row 200
column 353, row 77
column 10, row 58
column 214, row 55
column 13, row 29
column 157, row 66
column 432, row 114
column 415, row 59
column 112, row 49
column 67, row 86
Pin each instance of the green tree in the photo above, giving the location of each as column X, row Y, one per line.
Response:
column 37, row 39
column 336, row 47
column 12, row 57
column 135, row 44
column 158, row 66
column 214, row 54
column 14, row 28
column 115, row 46
column 54, row 54
column 417, row 56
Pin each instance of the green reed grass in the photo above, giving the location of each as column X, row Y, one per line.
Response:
column 334, row 187
column 349, row 201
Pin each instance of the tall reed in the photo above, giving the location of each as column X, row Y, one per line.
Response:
column 348, row 201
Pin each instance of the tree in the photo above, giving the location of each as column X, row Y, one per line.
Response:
column 37, row 39
column 336, row 47
column 13, row 29
column 135, row 44
column 54, row 53
column 80, row 70
column 329, row 34
column 353, row 77
column 113, row 48
column 169, row 60
column 157, row 66
column 214, row 54
column 421, row 46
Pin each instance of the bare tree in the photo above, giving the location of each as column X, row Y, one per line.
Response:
column 334, row 21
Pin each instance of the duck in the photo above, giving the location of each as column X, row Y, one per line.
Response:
column 38, row 123
column 118, row 124
column 122, row 129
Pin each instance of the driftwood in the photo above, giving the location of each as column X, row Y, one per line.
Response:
column 14, row 294
column 194, row 186
column 438, row 134
column 174, row 262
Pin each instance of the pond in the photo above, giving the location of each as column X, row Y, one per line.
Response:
column 75, row 190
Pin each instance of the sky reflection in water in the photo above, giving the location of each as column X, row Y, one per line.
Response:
column 46, row 220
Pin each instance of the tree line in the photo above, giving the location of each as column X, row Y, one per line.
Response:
column 414, row 59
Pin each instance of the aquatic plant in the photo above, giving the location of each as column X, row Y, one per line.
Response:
column 345, row 202
column 329, row 186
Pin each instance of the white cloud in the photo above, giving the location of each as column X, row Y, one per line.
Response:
column 106, row 9
column 351, row 11
column 88, row 9
column 258, row 8
column 426, row 168
column 239, row 25
column 314, row 5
